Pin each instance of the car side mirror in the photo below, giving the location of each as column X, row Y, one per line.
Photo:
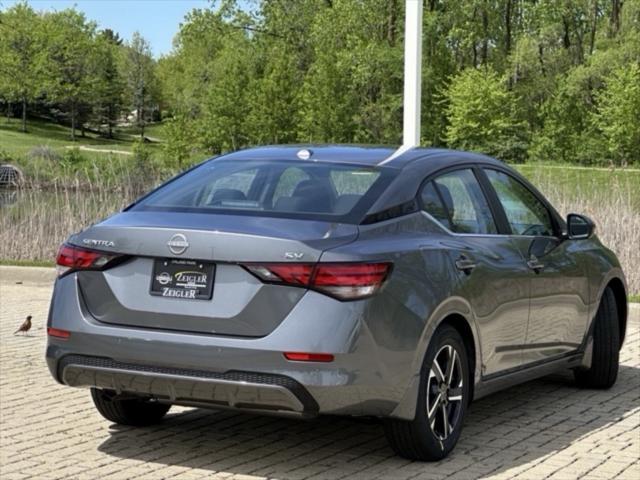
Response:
column 579, row 227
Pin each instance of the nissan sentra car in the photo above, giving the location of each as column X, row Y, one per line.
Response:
column 310, row 280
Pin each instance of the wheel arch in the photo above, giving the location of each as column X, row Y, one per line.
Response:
column 620, row 293
column 456, row 312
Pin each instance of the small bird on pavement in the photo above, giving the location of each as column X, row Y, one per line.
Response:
column 25, row 327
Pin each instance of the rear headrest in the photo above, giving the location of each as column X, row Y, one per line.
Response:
column 315, row 197
column 287, row 204
column 226, row 194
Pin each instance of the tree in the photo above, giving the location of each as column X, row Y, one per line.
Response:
column 70, row 62
column 618, row 114
column 182, row 140
column 140, row 78
column 20, row 42
column 108, row 93
column 481, row 115
column 223, row 124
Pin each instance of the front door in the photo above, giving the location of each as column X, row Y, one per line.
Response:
column 559, row 287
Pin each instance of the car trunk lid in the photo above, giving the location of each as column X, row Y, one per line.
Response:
column 239, row 304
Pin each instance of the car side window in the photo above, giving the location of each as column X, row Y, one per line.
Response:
column 456, row 200
column 525, row 213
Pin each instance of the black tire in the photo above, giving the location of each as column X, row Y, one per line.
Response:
column 128, row 411
column 606, row 347
column 420, row 439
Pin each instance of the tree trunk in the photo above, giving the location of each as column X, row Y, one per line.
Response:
column 566, row 40
column 507, row 27
column 8, row 111
column 541, row 58
column 109, row 122
column 391, row 22
column 614, row 24
column 141, row 121
column 24, row 114
column 594, row 26
column 73, row 122
column 485, row 34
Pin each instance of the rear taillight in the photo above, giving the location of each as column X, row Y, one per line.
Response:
column 344, row 281
column 58, row 333
column 71, row 258
column 308, row 357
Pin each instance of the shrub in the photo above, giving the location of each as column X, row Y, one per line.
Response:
column 482, row 115
column 5, row 157
column 44, row 152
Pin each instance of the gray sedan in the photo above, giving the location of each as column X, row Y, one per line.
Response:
column 307, row 280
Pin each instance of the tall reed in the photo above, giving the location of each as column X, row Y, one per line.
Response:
column 33, row 226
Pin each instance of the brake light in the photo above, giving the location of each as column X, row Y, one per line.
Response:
column 308, row 357
column 58, row 333
column 344, row 281
column 71, row 258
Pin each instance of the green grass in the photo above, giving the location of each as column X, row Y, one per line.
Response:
column 634, row 298
column 27, row 263
column 40, row 133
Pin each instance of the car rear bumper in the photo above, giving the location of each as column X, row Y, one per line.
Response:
column 364, row 379
column 264, row 393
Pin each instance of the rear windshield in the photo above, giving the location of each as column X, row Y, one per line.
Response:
column 289, row 189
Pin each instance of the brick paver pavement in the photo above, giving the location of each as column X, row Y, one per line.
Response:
column 542, row 429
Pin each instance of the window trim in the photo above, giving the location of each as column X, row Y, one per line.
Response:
column 473, row 167
column 554, row 217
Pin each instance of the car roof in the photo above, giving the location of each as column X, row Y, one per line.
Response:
column 369, row 155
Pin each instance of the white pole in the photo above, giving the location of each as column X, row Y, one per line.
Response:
column 412, row 73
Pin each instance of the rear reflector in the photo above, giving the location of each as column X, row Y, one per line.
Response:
column 308, row 357
column 56, row 332
column 345, row 281
column 72, row 258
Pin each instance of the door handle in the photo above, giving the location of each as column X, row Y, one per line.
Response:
column 534, row 264
column 465, row 264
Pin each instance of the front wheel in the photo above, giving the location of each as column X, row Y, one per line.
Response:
column 128, row 411
column 442, row 401
column 606, row 347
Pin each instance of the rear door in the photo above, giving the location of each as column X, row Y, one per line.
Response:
column 492, row 275
column 559, row 285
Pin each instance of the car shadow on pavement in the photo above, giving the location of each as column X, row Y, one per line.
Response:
column 507, row 431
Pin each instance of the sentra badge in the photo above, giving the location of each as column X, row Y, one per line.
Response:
column 93, row 242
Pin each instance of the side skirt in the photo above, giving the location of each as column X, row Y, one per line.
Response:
column 500, row 381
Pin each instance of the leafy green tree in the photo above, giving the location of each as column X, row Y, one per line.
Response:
column 20, row 42
column 482, row 115
column 182, row 140
column 140, row 77
column 618, row 115
column 108, row 96
column 70, row 61
column 226, row 107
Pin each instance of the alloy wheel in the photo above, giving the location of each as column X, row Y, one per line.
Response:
column 445, row 392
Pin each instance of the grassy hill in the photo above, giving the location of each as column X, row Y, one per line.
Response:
column 40, row 133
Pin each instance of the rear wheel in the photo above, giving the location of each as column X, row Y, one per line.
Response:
column 442, row 401
column 606, row 347
column 128, row 411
